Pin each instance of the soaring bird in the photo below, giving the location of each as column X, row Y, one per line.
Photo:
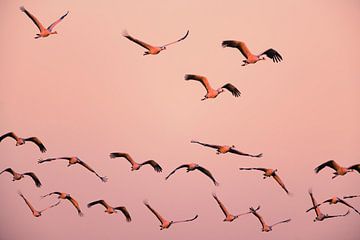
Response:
column 21, row 141
column 44, row 32
column 334, row 200
column 269, row 173
column 67, row 196
column 228, row 216
column 212, row 93
column 166, row 223
column 265, row 227
column 33, row 210
column 135, row 165
column 73, row 160
column 153, row 50
column 192, row 167
column 339, row 169
column 111, row 210
column 251, row 58
column 19, row 176
column 225, row 149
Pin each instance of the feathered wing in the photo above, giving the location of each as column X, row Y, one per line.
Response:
column 280, row 182
column 235, row 151
column 254, row 211
column 181, row 166
column 52, row 159
column 104, row 179
column 221, row 205
column 33, row 18
column 137, row 41
column 274, row 55
column 34, row 178
column 51, row 206
column 351, row 196
column 187, row 220
column 231, row 88
column 339, row 215
column 49, row 194
column 284, row 221
column 154, row 164
column 124, row 155
column 355, row 167
column 241, row 46
column 332, row 164
column 161, row 219
column 37, row 142
column 102, row 202
column 28, row 203
column 260, row 169
column 9, row 170
column 347, row 204
column 51, row 27
column 207, row 173
column 125, row 212
column 206, row 145
column 204, row 81
column 187, row 33
column 9, row 134
column 75, row 204
column 315, row 204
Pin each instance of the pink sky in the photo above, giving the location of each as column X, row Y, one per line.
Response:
column 88, row 91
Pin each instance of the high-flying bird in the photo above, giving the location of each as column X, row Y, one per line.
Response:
column 135, row 165
column 67, row 196
column 192, row 167
column 319, row 215
column 212, row 93
column 225, row 149
column 339, row 169
column 251, row 58
column 33, row 210
column 228, row 216
column 269, row 173
column 153, row 50
column 166, row 223
column 44, row 32
column 334, row 200
column 73, row 160
column 111, row 210
column 19, row 176
column 265, row 227
column 21, row 141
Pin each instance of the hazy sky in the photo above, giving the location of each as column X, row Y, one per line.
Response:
column 88, row 91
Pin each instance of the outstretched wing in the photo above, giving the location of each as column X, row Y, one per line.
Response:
column 52, row 159
column 207, row 173
column 51, row 206
column 206, row 145
column 221, row 205
column 137, row 41
column 355, row 167
column 37, row 142
column 315, row 204
column 102, row 202
column 277, row 178
column 339, row 215
column 187, row 220
column 187, row 33
column 234, row 91
column 235, row 151
column 254, row 211
column 204, row 81
column 9, row 134
column 27, row 203
column 285, row 221
column 274, row 55
column 34, row 177
column 9, row 170
column 104, row 179
column 51, row 27
column 124, row 155
column 33, row 18
column 332, row 164
column 351, row 196
column 161, row 219
column 49, row 194
column 125, row 212
column 181, row 166
column 260, row 169
column 154, row 164
column 347, row 204
column 239, row 45
column 75, row 204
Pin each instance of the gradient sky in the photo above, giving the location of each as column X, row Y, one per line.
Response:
column 88, row 91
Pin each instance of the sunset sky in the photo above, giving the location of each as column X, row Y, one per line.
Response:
column 88, row 91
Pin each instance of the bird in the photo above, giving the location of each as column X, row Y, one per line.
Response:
column 192, row 167
column 44, row 32
column 152, row 50
column 251, row 58
column 111, row 210
column 62, row 195
column 135, row 165
column 212, row 93
column 19, row 176
column 334, row 200
column 21, row 141
column 225, row 149
column 166, row 223
column 33, row 210
column 268, row 172
column 319, row 215
column 339, row 170
column 265, row 227
column 228, row 216
column 73, row 160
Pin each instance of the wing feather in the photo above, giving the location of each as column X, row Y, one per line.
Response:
column 231, row 88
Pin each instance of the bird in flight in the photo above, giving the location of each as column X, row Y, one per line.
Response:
column 135, row 165
column 33, row 210
column 73, row 160
column 68, row 197
column 339, row 170
column 334, row 200
column 21, row 141
column 111, row 210
column 251, row 58
column 164, row 222
column 225, row 149
column 212, row 93
column 265, row 227
column 192, row 167
column 44, row 32
column 268, row 172
column 152, row 50
column 19, row 176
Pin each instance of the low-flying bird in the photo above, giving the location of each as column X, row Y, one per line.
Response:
column 67, row 196
column 225, row 149
column 319, row 215
column 265, row 227
column 19, row 176
column 44, row 32
column 339, row 170
column 251, row 58
column 73, row 160
column 135, row 165
column 270, row 173
column 152, row 50
column 111, row 210
column 21, row 141
column 334, row 200
column 212, row 93
column 166, row 223
column 33, row 210
column 228, row 216
column 192, row 167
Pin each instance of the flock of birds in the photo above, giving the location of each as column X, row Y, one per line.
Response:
column 220, row 149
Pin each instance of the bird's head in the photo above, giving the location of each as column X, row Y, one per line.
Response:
column 162, row 48
column 55, row 32
column 233, row 146
column 262, row 58
column 220, row 90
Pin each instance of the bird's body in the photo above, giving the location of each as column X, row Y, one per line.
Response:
column 110, row 210
column 19, row 176
column 67, row 196
column 339, row 170
column 135, row 165
column 34, row 212
column 265, row 227
column 22, row 141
